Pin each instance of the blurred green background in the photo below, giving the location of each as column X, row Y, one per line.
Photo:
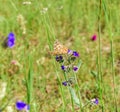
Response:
column 36, row 24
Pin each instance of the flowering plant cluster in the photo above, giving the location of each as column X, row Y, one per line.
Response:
column 67, row 63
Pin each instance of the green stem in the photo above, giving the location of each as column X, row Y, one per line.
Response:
column 66, row 78
column 100, row 80
column 108, row 20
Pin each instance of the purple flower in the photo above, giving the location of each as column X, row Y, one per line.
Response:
column 63, row 67
column 76, row 54
column 22, row 106
column 70, row 52
column 94, row 37
column 11, row 40
column 64, row 83
column 95, row 101
column 75, row 68
column 59, row 59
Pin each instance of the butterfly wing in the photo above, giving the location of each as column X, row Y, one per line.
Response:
column 59, row 49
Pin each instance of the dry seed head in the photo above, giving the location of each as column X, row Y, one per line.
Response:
column 21, row 21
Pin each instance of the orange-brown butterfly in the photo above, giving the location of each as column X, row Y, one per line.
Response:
column 59, row 49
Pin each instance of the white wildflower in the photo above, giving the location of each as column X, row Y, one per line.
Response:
column 3, row 86
column 9, row 109
column 26, row 3
column 44, row 10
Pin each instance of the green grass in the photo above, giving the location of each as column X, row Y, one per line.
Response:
column 37, row 80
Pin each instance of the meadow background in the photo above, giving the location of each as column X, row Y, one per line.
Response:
column 34, row 77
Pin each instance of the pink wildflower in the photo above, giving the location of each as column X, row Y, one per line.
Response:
column 94, row 37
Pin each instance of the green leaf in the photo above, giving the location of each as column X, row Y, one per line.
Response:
column 94, row 74
column 79, row 64
column 74, row 96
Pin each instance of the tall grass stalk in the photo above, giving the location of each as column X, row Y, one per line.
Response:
column 61, row 90
column 100, row 78
column 66, row 78
column 29, row 82
column 13, row 4
column 109, row 22
column 113, row 75
column 50, row 35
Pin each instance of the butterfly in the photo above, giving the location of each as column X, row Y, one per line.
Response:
column 59, row 49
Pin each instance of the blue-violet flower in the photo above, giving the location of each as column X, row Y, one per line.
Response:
column 75, row 68
column 70, row 52
column 22, row 106
column 59, row 59
column 64, row 83
column 11, row 40
column 63, row 67
column 76, row 54
column 95, row 101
